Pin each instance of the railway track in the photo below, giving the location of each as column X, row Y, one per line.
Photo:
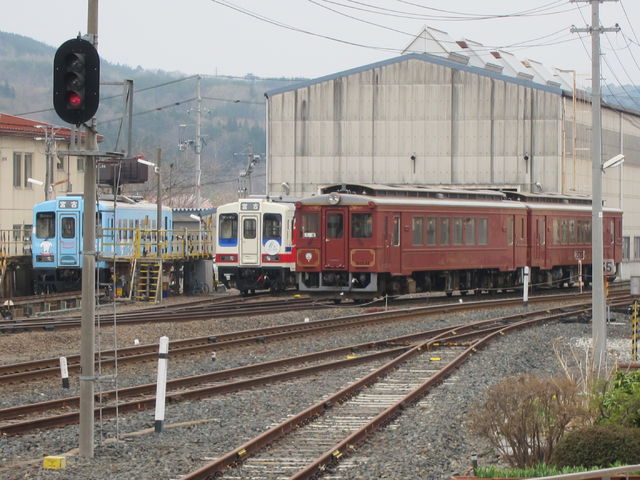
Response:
column 142, row 397
column 199, row 310
column 49, row 368
column 312, row 441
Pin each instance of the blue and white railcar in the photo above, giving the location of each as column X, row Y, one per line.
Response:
column 57, row 239
column 255, row 249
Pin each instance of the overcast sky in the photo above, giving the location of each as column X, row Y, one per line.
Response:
column 311, row 38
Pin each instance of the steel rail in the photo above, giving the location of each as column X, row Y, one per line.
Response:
column 49, row 367
column 236, row 456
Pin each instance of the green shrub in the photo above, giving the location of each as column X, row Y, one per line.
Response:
column 620, row 404
column 540, row 470
column 599, row 445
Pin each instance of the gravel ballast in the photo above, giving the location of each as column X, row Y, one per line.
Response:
column 429, row 441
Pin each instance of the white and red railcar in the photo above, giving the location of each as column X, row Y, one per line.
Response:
column 393, row 240
column 254, row 245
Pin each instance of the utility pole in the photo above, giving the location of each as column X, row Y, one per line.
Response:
column 598, row 321
column 198, row 145
column 159, row 203
column 87, row 325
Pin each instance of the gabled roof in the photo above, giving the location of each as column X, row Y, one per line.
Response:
column 11, row 125
column 23, row 127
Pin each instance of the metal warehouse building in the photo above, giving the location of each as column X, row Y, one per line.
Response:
column 459, row 115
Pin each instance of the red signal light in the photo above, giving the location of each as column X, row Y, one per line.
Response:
column 74, row 100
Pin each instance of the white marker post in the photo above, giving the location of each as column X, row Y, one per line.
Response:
column 64, row 372
column 161, row 388
column 525, row 289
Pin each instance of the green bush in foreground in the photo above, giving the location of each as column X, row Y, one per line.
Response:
column 598, row 445
column 540, row 470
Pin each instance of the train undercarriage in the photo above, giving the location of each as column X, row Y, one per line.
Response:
column 371, row 285
column 248, row 280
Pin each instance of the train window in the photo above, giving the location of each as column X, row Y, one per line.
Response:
column 68, row 227
column 249, row 227
column 361, row 225
column 612, row 231
column 45, row 225
column 469, row 231
column 335, row 225
column 396, row 231
column 572, row 231
column 457, row 230
column 417, row 232
column 272, row 226
column 431, row 231
column 444, row 231
column 131, row 227
column 542, row 228
column 510, row 231
column 483, row 231
column 228, row 229
column 310, row 225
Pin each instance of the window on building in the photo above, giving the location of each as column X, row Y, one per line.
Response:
column 469, row 231
column 17, row 169
column 626, row 245
column 272, row 226
column 27, row 232
column 444, row 231
column 636, row 248
column 249, row 227
column 361, row 225
column 80, row 164
column 483, row 231
column 17, row 232
column 457, row 230
column 417, row 231
column 27, row 169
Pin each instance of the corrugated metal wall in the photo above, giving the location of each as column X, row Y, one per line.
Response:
column 462, row 128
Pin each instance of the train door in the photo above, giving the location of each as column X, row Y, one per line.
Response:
column 392, row 229
column 249, row 239
column 69, row 238
column 395, row 256
column 538, row 241
column 335, row 248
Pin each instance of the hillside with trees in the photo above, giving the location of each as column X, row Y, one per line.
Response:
column 164, row 116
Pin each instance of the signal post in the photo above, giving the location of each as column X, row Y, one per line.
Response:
column 76, row 95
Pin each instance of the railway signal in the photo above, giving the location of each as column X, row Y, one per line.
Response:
column 76, row 81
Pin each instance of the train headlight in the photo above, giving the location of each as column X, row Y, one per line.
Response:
column 308, row 256
column 272, row 258
column 334, row 198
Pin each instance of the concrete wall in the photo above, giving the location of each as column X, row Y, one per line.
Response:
column 16, row 202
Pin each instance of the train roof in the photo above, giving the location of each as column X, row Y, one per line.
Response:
column 413, row 191
column 339, row 199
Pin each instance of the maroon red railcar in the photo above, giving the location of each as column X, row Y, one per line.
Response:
column 365, row 241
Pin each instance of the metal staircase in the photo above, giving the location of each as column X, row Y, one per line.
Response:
column 146, row 279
